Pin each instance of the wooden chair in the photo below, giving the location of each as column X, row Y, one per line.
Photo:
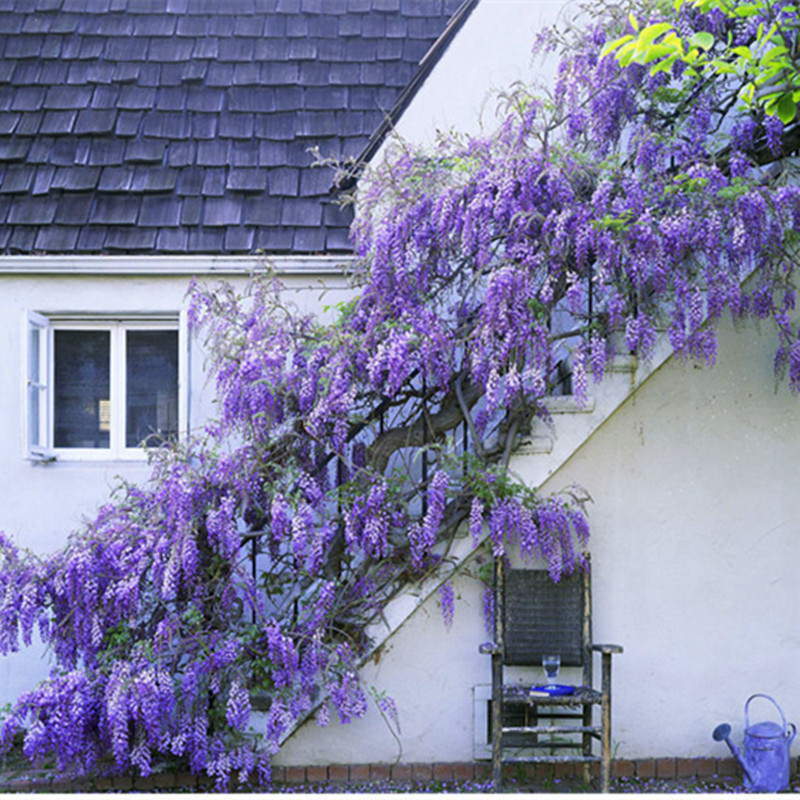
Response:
column 534, row 617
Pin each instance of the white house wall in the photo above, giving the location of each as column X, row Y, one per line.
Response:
column 696, row 543
column 695, row 547
column 489, row 53
column 43, row 502
column 429, row 670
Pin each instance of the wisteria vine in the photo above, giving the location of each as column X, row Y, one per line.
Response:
column 346, row 456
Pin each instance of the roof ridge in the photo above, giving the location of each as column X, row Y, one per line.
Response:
column 390, row 120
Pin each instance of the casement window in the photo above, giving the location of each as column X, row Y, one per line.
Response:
column 101, row 388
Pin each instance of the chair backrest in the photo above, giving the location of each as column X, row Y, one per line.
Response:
column 546, row 618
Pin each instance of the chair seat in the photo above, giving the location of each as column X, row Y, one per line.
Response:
column 552, row 760
column 583, row 695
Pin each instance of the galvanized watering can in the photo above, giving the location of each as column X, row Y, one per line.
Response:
column 765, row 762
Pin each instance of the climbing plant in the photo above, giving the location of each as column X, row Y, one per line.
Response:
column 489, row 271
column 755, row 42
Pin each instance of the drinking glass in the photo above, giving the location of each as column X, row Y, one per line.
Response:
column 551, row 666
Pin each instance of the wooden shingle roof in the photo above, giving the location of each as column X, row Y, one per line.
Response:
column 184, row 126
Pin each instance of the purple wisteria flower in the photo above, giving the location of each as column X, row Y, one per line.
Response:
column 347, row 456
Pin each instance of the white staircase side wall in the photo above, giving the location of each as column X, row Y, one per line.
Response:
column 551, row 447
column 695, row 545
column 573, row 423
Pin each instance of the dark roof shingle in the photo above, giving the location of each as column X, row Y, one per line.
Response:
column 185, row 126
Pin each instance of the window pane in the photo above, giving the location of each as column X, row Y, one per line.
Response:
column 81, row 390
column 152, row 383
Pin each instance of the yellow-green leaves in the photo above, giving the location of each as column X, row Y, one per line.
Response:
column 765, row 67
column 610, row 47
column 702, row 40
column 648, row 46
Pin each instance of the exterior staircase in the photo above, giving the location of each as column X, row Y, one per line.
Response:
column 540, row 455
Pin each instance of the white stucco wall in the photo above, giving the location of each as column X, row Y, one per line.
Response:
column 428, row 669
column 695, row 513
column 696, row 543
column 489, row 54
column 40, row 503
column 695, row 547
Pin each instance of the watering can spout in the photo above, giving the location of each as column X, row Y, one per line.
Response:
column 722, row 733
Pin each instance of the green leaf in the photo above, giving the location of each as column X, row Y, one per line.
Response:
column 663, row 66
column 773, row 53
column 703, row 40
column 744, row 52
column 770, row 34
column 657, row 51
column 633, row 22
column 626, row 53
column 787, row 109
column 723, row 67
column 611, row 46
column 746, row 10
column 652, row 32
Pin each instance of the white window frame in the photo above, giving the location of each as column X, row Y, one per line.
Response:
column 36, row 326
column 43, row 326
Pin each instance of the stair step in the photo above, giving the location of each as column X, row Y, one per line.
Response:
column 623, row 364
column 568, row 404
column 532, row 445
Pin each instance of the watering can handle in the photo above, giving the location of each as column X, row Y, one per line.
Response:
column 794, row 732
column 766, row 697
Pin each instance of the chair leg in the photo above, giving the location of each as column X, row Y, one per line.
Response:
column 605, row 774
column 497, row 758
column 497, row 675
column 497, row 723
column 586, row 771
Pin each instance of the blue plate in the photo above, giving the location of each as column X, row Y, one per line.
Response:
column 553, row 690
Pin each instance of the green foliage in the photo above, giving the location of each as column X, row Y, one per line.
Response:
column 766, row 68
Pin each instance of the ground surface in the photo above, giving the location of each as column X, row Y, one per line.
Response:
column 16, row 775
column 25, row 782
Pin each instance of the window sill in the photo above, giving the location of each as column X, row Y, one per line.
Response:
column 88, row 457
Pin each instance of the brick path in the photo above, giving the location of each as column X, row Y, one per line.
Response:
column 528, row 775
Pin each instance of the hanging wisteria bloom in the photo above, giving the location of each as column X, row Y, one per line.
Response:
column 347, row 457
